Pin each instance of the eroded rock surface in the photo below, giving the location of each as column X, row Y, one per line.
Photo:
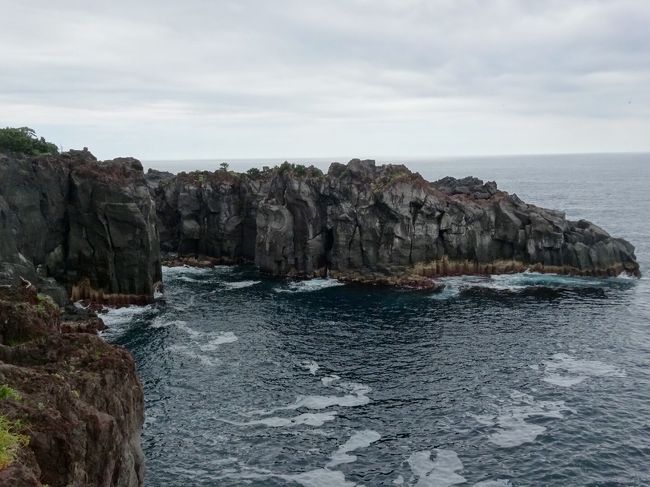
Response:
column 88, row 225
column 362, row 220
column 78, row 399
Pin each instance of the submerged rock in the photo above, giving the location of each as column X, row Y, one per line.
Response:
column 361, row 219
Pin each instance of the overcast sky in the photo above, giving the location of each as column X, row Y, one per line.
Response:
column 175, row 79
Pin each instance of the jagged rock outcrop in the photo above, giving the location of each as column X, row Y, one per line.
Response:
column 74, row 400
column 88, row 225
column 71, row 227
column 363, row 220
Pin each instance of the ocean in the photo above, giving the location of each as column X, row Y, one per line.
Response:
column 517, row 380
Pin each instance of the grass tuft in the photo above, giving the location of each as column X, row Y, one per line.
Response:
column 11, row 441
column 7, row 392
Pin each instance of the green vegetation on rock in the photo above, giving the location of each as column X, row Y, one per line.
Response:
column 7, row 392
column 25, row 141
column 11, row 441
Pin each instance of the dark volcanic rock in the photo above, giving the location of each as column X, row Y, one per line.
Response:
column 90, row 225
column 361, row 218
column 78, row 399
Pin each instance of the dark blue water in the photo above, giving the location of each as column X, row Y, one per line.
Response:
column 513, row 380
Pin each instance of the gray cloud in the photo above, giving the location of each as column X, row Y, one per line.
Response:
column 252, row 78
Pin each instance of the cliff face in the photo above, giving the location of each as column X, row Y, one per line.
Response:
column 75, row 401
column 71, row 404
column 363, row 220
column 89, row 225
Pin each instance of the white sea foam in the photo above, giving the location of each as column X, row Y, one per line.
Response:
column 527, row 279
column 360, row 439
column 493, row 483
column 565, row 371
column 223, row 337
column 120, row 316
column 510, row 419
column 438, row 473
column 239, row 284
column 328, row 380
column 451, row 290
column 564, row 380
column 311, row 366
column 308, row 419
column 161, row 322
column 184, row 269
column 320, row 477
column 356, row 396
column 309, row 285
column 182, row 325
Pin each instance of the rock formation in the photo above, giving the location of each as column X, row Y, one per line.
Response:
column 75, row 400
column 88, row 225
column 71, row 405
column 362, row 222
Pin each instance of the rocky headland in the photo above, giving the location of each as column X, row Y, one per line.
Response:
column 74, row 228
column 373, row 224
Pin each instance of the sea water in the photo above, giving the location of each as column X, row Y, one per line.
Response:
column 513, row 380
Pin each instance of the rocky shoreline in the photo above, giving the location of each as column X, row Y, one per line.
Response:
column 74, row 228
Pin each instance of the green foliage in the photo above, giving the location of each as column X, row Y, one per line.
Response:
column 299, row 170
column 224, row 166
column 254, row 172
column 25, row 141
column 7, row 392
column 11, row 441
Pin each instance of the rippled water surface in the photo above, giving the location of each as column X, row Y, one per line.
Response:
column 512, row 380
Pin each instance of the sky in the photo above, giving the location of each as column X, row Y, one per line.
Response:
column 192, row 79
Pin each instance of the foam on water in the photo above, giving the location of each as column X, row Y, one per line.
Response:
column 512, row 429
column 307, row 419
column 493, row 483
column 451, row 290
column 328, row 380
column 239, row 284
column 438, row 473
column 309, row 286
column 184, row 269
column 515, row 283
column 356, row 395
column 160, row 322
column 361, row 439
column 320, row 477
column 220, row 339
column 528, row 279
column 311, row 366
column 576, row 370
column 120, row 316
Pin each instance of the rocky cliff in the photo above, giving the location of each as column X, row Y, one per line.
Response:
column 365, row 222
column 88, row 225
column 71, row 405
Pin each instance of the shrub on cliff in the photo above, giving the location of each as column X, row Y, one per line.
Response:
column 24, row 140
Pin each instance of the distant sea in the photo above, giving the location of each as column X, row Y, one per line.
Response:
column 518, row 380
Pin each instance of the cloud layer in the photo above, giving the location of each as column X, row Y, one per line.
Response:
column 252, row 78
